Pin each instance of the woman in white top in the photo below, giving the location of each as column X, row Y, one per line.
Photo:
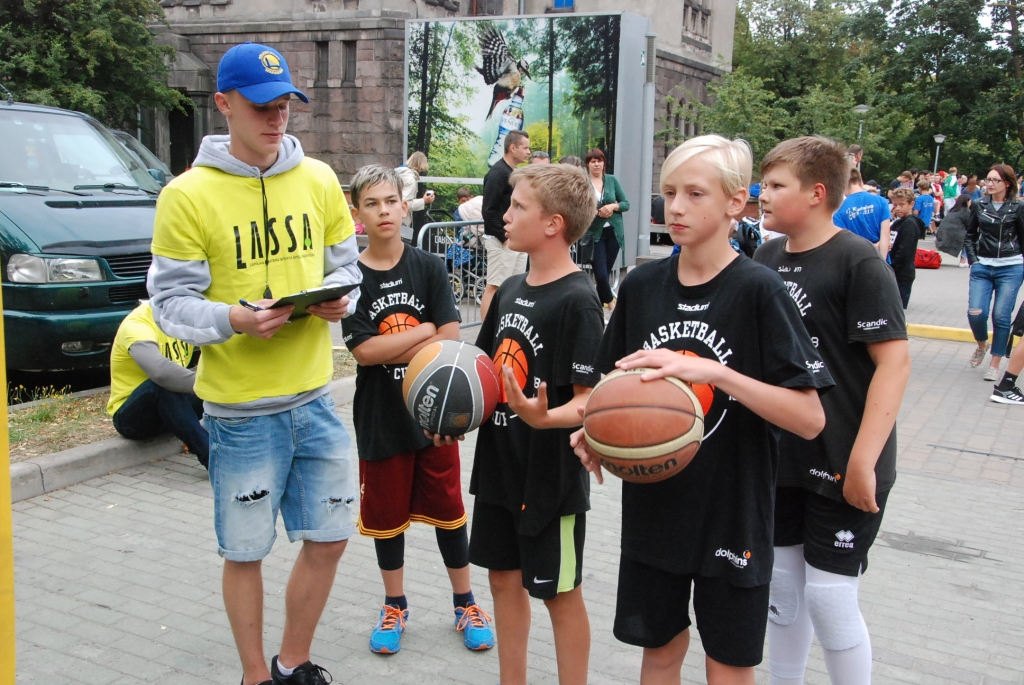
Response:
column 410, row 174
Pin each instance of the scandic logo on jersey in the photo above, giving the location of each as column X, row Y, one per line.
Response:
column 256, row 236
column 872, row 325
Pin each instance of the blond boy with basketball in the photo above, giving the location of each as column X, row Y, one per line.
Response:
column 831, row 490
column 708, row 528
column 532, row 494
column 406, row 304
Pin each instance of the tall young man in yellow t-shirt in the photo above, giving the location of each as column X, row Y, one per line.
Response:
column 254, row 220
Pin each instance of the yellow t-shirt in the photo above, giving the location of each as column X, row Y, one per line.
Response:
column 209, row 215
column 125, row 374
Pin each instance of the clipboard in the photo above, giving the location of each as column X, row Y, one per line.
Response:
column 308, row 298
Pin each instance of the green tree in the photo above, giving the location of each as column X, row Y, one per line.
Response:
column 94, row 56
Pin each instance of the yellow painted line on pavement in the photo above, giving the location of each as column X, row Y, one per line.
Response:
column 920, row 330
column 6, row 535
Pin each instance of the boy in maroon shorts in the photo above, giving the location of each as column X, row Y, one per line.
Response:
column 403, row 477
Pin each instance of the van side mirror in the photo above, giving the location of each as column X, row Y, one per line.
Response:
column 158, row 176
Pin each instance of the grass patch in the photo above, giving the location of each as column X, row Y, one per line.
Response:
column 60, row 423
column 344, row 363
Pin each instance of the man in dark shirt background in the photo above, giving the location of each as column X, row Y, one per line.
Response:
column 501, row 261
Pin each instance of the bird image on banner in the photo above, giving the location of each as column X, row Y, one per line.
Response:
column 500, row 69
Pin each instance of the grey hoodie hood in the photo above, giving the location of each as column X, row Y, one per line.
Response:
column 214, row 153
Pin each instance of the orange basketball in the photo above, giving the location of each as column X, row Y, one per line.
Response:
column 396, row 323
column 511, row 354
column 705, row 392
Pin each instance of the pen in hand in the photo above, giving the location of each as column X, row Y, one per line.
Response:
column 250, row 306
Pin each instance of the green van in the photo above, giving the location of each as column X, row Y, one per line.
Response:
column 76, row 221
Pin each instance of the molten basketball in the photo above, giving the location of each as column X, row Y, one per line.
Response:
column 397, row 323
column 511, row 354
column 643, row 432
column 451, row 387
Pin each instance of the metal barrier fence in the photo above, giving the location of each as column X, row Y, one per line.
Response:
column 460, row 244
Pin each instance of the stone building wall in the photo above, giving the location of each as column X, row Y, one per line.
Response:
column 346, row 124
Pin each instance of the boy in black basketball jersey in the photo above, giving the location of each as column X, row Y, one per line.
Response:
column 407, row 304
column 708, row 527
column 543, row 328
column 832, row 489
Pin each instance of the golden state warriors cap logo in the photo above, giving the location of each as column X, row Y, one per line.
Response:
column 271, row 62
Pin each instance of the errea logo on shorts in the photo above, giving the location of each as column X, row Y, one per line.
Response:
column 524, row 303
column 825, row 475
column 582, row 368
column 872, row 325
column 737, row 560
column 844, row 539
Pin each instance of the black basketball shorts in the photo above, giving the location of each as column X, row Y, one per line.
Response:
column 652, row 607
column 551, row 562
column 836, row 535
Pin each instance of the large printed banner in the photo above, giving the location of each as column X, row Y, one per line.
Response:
column 471, row 81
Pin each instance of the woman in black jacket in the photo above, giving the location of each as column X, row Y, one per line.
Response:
column 995, row 234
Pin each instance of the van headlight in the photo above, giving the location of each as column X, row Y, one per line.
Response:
column 24, row 268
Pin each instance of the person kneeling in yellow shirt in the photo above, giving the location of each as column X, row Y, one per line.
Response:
column 151, row 385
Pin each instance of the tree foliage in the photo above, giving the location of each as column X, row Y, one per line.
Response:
column 94, row 56
column 922, row 66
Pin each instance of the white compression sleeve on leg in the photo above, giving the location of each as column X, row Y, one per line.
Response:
column 789, row 625
column 835, row 613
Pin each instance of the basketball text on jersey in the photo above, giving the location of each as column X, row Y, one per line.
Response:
column 393, row 300
column 799, row 296
column 697, row 330
column 256, row 235
column 522, row 324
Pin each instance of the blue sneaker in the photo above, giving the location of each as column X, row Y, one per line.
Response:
column 475, row 625
column 386, row 637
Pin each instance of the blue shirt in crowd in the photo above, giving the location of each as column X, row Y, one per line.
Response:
column 863, row 213
column 925, row 207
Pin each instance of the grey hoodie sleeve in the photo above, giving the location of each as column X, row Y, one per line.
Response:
column 176, row 290
column 162, row 370
column 341, row 267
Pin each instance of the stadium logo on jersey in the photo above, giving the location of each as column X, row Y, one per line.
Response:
column 391, row 284
column 694, row 307
column 832, row 478
column 737, row 560
column 872, row 325
column 844, row 539
column 524, row 303
column 814, row 367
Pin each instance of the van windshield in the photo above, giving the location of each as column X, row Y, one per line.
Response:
column 61, row 151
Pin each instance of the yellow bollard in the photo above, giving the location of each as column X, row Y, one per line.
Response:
column 6, row 535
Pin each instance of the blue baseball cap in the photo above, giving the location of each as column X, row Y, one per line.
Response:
column 258, row 72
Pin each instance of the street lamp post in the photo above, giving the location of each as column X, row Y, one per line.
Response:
column 860, row 111
column 939, row 139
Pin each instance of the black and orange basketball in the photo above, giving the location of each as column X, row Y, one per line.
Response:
column 451, row 387
column 511, row 354
column 705, row 392
column 643, row 431
column 396, row 323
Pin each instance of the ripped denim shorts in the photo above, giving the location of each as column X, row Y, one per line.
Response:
column 297, row 462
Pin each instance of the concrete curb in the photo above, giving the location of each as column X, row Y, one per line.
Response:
column 50, row 472
column 919, row 330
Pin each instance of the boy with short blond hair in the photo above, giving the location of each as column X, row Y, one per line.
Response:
column 531, row 492
column 406, row 304
column 832, row 489
column 709, row 316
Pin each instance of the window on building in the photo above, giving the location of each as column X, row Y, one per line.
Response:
column 697, row 19
column 323, row 63
column 564, row 4
column 348, row 60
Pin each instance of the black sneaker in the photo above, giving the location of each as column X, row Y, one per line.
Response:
column 305, row 674
column 1011, row 396
column 265, row 682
